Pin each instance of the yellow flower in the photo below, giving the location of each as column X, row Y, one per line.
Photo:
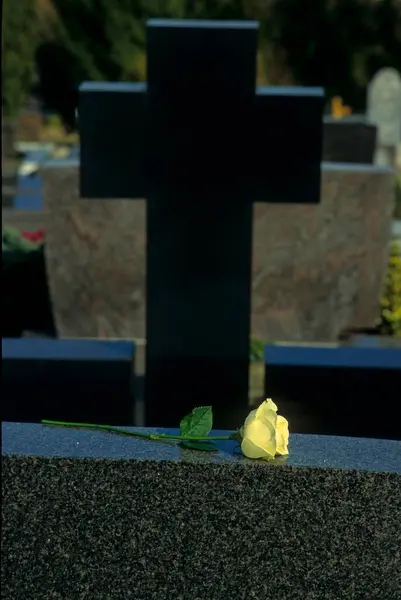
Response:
column 265, row 433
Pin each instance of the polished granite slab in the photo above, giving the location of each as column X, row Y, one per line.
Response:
column 67, row 380
column 93, row 515
column 336, row 390
column 313, row 451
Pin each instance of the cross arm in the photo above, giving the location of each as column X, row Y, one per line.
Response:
column 287, row 158
column 112, row 136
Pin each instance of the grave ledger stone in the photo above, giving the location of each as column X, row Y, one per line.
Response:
column 190, row 142
column 92, row 516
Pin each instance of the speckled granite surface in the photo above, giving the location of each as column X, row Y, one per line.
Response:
column 92, row 515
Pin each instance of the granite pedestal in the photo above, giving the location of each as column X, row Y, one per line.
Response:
column 89, row 515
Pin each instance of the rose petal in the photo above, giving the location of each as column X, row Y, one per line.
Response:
column 259, row 439
column 282, row 435
column 266, row 407
column 251, row 450
column 251, row 416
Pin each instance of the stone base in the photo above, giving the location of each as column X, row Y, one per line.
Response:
column 92, row 516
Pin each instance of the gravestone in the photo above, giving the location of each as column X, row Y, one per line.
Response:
column 384, row 110
column 351, row 139
column 87, row 381
column 349, row 390
column 89, row 515
column 316, row 270
column 190, row 142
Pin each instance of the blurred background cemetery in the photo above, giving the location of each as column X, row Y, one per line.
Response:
column 320, row 275
column 254, row 252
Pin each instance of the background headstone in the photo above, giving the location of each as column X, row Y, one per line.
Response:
column 350, row 139
column 384, row 110
column 316, row 270
column 398, row 157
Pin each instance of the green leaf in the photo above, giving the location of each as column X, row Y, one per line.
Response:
column 203, row 446
column 198, row 423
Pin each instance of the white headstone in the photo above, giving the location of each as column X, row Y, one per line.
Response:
column 398, row 157
column 384, row 106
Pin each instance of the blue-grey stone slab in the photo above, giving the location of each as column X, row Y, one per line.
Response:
column 350, row 390
column 94, row 515
column 29, row 193
column 67, row 380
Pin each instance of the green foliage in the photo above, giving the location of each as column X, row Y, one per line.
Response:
column 54, row 121
column 198, row 423
column 256, row 350
column 107, row 40
column 20, row 38
column 390, row 318
column 339, row 45
column 397, row 212
column 13, row 242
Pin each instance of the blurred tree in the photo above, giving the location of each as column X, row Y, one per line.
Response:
column 96, row 40
column 57, row 84
column 107, row 39
column 337, row 44
column 20, row 36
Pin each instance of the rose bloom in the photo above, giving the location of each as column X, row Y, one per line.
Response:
column 265, row 433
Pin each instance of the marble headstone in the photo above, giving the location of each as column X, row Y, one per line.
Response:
column 384, row 110
column 89, row 515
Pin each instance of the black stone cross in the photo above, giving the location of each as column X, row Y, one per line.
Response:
column 202, row 145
